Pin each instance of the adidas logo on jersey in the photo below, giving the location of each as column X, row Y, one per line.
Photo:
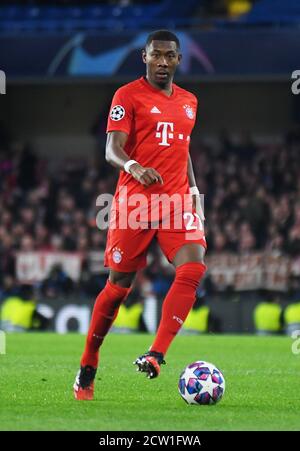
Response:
column 155, row 110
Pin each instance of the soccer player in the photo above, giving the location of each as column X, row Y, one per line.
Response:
column 148, row 136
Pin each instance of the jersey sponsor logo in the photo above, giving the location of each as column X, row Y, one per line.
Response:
column 117, row 113
column 155, row 110
column 117, row 255
column 164, row 130
column 189, row 111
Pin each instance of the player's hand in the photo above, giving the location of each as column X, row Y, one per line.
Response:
column 146, row 176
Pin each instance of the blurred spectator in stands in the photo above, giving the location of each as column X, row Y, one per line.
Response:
column 82, row 244
column 56, row 243
column 69, row 240
column 219, row 242
column 66, row 208
column 86, row 193
column 292, row 317
column 7, row 256
column 159, row 276
column 293, row 245
column 27, row 243
column 256, row 213
column 8, row 286
column 17, row 231
column 231, row 236
column 294, row 287
column 247, row 241
column 130, row 315
column 79, row 218
column 19, row 312
column 57, row 284
column 94, row 274
column 6, row 218
column 268, row 314
column 276, row 244
column 282, row 214
column 41, row 234
column 197, row 321
column 28, row 219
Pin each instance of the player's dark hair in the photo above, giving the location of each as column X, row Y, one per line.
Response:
column 162, row 35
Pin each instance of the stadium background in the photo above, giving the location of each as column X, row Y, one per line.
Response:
column 63, row 61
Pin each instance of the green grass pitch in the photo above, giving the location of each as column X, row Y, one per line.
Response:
column 38, row 370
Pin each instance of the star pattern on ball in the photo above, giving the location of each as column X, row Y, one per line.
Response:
column 208, row 385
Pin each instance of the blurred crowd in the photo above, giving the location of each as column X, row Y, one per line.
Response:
column 252, row 194
column 252, row 202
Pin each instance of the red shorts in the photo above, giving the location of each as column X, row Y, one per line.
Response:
column 126, row 249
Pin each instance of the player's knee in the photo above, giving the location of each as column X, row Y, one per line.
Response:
column 121, row 279
column 191, row 273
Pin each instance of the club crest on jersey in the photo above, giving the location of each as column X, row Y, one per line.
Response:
column 189, row 111
column 117, row 255
column 117, row 113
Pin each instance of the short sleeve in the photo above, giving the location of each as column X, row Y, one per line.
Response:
column 121, row 112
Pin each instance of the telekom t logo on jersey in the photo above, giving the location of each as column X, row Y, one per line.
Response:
column 164, row 126
column 165, row 131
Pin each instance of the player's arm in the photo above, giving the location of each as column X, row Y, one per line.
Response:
column 117, row 157
column 193, row 188
column 191, row 175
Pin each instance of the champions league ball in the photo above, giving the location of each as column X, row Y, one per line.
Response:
column 201, row 383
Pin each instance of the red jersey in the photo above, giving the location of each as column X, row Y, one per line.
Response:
column 159, row 129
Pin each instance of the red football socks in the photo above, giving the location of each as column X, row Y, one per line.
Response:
column 177, row 304
column 104, row 313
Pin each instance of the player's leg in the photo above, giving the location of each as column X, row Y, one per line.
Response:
column 125, row 254
column 190, row 268
column 186, row 253
column 106, row 307
column 105, row 310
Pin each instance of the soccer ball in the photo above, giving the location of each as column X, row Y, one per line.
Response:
column 201, row 383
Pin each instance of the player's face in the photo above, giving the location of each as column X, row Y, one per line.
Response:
column 161, row 59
